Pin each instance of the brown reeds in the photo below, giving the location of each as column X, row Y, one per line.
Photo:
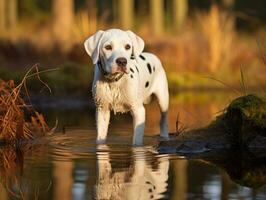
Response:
column 18, row 120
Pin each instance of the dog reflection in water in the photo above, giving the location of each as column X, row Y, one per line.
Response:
column 145, row 178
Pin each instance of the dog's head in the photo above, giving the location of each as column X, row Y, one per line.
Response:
column 113, row 49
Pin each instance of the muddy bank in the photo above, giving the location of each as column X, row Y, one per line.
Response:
column 241, row 126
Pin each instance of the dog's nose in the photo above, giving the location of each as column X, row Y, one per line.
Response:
column 121, row 62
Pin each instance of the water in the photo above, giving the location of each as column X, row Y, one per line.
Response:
column 69, row 165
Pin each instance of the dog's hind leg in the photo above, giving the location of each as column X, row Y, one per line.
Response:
column 162, row 95
column 102, row 117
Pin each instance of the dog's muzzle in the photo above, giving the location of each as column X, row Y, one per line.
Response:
column 111, row 77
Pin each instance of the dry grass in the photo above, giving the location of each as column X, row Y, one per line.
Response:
column 218, row 31
column 84, row 26
column 14, row 125
column 204, row 44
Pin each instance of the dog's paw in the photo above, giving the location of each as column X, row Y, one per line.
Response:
column 164, row 137
column 101, row 141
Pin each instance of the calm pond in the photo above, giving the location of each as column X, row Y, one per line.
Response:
column 69, row 165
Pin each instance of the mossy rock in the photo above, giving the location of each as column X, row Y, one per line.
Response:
column 245, row 118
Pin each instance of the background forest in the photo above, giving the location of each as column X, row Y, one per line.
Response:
column 197, row 41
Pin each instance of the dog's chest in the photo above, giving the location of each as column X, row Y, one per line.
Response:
column 112, row 96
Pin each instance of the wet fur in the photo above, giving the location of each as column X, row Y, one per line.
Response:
column 145, row 77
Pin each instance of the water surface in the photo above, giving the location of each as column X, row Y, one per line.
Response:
column 69, row 165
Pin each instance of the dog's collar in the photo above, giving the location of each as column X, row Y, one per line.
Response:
column 109, row 77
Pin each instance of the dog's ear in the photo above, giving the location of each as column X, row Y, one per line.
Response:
column 92, row 44
column 137, row 42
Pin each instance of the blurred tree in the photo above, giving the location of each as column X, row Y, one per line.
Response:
column 180, row 11
column 157, row 16
column 92, row 8
column 141, row 7
column 229, row 4
column 125, row 13
column 11, row 14
column 37, row 9
column 2, row 16
column 92, row 14
column 63, row 16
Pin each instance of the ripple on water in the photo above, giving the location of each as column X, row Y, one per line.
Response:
column 80, row 143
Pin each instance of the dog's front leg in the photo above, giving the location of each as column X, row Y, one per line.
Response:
column 138, row 124
column 102, row 117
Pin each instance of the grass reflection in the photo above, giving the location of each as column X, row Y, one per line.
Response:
column 14, row 181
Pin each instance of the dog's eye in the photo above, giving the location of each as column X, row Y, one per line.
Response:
column 127, row 47
column 108, row 47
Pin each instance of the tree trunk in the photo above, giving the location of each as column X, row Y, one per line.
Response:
column 2, row 16
column 92, row 14
column 125, row 16
column 157, row 16
column 228, row 4
column 180, row 13
column 63, row 16
column 92, row 8
column 11, row 14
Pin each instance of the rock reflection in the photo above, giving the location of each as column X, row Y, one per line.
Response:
column 145, row 178
column 245, row 167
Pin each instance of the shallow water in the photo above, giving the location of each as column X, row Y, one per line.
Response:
column 69, row 165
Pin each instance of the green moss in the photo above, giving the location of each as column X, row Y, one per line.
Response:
column 243, row 120
column 69, row 78
column 251, row 108
column 8, row 74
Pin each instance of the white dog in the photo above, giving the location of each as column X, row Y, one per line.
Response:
column 125, row 79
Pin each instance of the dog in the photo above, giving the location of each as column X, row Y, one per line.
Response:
column 125, row 78
column 144, row 175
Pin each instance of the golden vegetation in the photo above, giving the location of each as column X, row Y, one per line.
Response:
column 18, row 120
column 218, row 32
column 206, row 43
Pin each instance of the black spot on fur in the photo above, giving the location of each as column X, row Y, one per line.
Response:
column 150, row 190
column 131, row 76
column 132, row 57
column 147, row 84
column 149, row 67
column 142, row 57
column 151, row 196
column 137, row 68
column 131, row 70
column 154, row 68
column 148, row 182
